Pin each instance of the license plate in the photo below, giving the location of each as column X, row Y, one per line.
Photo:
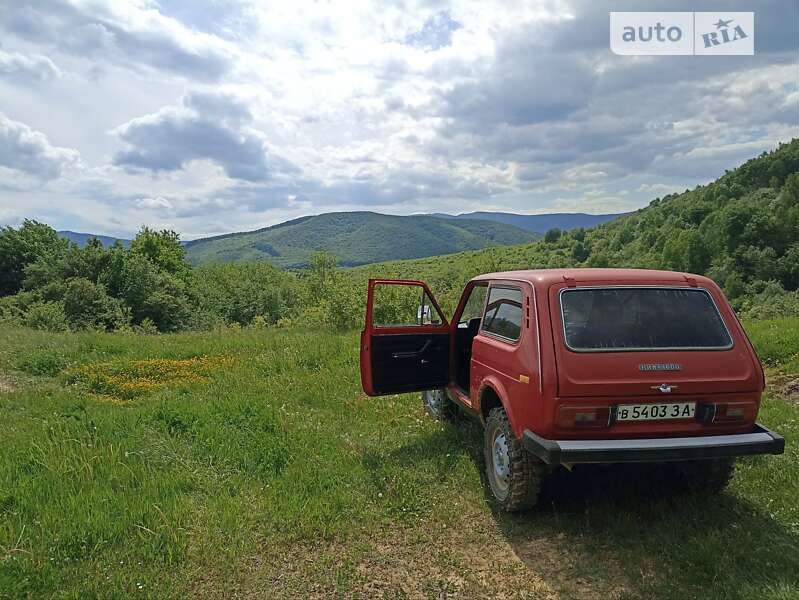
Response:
column 655, row 412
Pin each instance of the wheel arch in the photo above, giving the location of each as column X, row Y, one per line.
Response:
column 492, row 394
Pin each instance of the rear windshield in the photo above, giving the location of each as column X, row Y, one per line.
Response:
column 603, row 319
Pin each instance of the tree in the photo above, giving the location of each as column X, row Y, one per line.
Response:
column 788, row 266
column 734, row 285
column 163, row 249
column 624, row 235
column 734, row 219
column 86, row 305
column 240, row 292
column 322, row 276
column 776, row 173
column 599, row 259
column 22, row 247
column 90, row 262
column 160, row 297
column 580, row 251
column 696, row 213
column 790, row 190
column 674, row 253
column 697, row 254
column 137, row 279
column 552, row 236
column 168, row 306
column 756, row 263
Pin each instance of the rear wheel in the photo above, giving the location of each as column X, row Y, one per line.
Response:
column 438, row 405
column 710, row 476
column 513, row 474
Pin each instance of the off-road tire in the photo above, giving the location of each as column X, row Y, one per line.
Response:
column 708, row 476
column 439, row 406
column 524, row 471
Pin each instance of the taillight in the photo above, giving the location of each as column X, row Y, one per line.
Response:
column 727, row 412
column 584, row 417
column 730, row 412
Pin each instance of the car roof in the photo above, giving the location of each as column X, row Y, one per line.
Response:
column 547, row 277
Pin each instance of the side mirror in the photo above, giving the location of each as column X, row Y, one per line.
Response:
column 424, row 314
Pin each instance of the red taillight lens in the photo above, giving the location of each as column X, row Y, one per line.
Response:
column 584, row 417
column 731, row 412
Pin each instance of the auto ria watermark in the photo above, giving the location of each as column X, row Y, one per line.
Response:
column 686, row 33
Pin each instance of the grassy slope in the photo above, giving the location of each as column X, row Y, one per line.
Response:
column 356, row 238
column 273, row 475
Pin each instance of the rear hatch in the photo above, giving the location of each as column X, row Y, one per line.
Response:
column 628, row 341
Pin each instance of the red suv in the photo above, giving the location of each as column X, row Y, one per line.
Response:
column 569, row 366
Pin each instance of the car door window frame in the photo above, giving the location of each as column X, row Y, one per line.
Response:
column 464, row 301
column 382, row 329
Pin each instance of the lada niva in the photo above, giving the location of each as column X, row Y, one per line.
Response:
column 572, row 366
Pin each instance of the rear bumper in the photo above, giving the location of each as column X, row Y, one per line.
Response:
column 554, row 452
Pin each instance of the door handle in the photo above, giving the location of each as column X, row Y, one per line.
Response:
column 412, row 354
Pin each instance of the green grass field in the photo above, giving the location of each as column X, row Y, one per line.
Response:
column 250, row 463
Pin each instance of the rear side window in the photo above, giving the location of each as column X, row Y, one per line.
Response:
column 503, row 316
column 607, row 319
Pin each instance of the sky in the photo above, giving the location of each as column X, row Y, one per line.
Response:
column 230, row 115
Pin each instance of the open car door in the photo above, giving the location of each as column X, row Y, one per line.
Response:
column 405, row 341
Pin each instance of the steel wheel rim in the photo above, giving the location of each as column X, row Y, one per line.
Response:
column 499, row 464
column 433, row 399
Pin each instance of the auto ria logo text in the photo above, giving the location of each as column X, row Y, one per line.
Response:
column 682, row 33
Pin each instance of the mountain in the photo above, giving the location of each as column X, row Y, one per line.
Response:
column 540, row 223
column 356, row 238
column 81, row 239
column 741, row 230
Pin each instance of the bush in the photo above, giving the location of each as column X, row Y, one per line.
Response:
column 168, row 307
column 158, row 296
column 238, row 293
column 146, row 327
column 332, row 298
column 86, row 305
column 14, row 308
column 768, row 300
column 47, row 316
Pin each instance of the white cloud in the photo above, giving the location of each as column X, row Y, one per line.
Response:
column 659, row 189
column 23, row 150
column 134, row 34
column 27, row 68
column 238, row 114
column 153, row 203
column 209, row 126
column 595, row 205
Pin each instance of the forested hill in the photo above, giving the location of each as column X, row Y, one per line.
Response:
column 355, row 238
column 742, row 230
column 81, row 239
column 540, row 223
